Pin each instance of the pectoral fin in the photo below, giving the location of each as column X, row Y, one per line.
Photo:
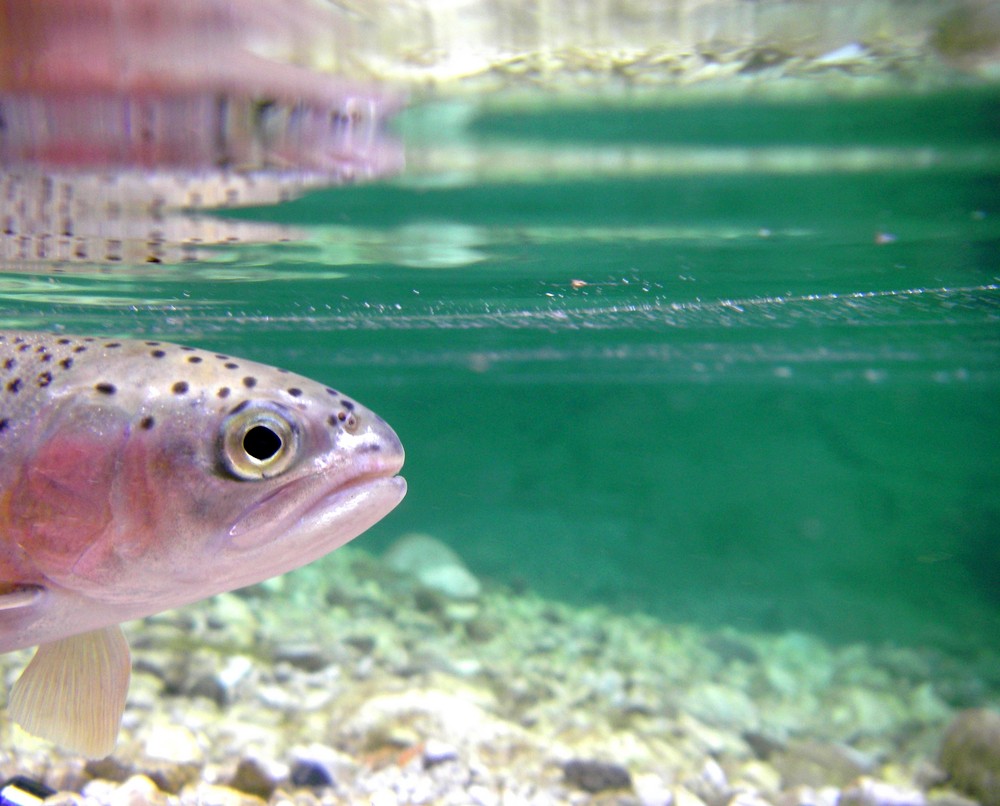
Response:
column 16, row 597
column 73, row 691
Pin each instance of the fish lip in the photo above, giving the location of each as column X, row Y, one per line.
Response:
column 271, row 514
column 353, row 486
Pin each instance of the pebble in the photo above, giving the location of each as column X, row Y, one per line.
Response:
column 204, row 794
column 372, row 700
column 138, row 791
column 308, row 657
column 317, row 765
column 970, row 754
column 652, row 791
column 711, row 783
column 721, row 706
column 807, row 796
column 685, row 797
column 811, row 763
column 310, row 775
column 437, row 752
column 258, row 777
column 173, row 743
column 596, row 776
column 869, row 792
column 747, row 799
column 433, row 564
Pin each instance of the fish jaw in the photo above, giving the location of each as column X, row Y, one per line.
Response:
column 317, row 529
column 290, row 530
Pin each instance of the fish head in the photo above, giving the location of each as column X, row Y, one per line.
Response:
column 178, row 481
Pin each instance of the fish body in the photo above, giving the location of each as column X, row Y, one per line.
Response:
column 138, row 476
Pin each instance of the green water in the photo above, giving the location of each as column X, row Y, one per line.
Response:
column 728, row 362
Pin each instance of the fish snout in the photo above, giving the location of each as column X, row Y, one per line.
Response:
column 374, row 443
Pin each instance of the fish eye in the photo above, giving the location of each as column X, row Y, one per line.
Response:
column 258, row 441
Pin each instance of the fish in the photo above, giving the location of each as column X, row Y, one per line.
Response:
column 137, row 476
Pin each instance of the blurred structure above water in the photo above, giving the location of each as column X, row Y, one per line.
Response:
column 114, row 116
column 453, row 44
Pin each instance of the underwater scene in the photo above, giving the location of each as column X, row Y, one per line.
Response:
column 689, row 328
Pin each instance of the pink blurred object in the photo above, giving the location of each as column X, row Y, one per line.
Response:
column 187, row 83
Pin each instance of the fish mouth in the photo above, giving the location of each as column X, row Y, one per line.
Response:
column 315, row 515
column 375, row 492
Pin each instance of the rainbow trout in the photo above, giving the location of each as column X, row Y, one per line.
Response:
column 138, row 476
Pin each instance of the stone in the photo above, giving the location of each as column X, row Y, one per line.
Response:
column 721, row 706
column 970, row 754
column 212, row 795
column 66, row 799
column 316, row 766
column 437, row 752
column 138, row 790
column 433, row 564
column 404, row 718
column 174, row 743
column 652, row 791
column 308, row 657
column 710, row 784
column 596, row 776
column 307, row 774
column 210, row 687
column 222, row 686
column 682, row 796
column 807, row 796
column 111, row 768
column 258, row 777
column 747, row 799
column 870, row 792
column 810, row 763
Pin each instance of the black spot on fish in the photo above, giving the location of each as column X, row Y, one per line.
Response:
column 240, row 407
column 105, row 388
column 194, row 359
column 19, row 340
column 179, row 388
column 44, row 379
column 332, row 392
column 223, row 392
column 231, row 365
column 222, row 357
column 112, row 345
column 10, row 363
column 157, row 353
column 188, row 349
column 347, row 404
column 295, row 392
column 64, row 341
column 152, row 344
column 4, row 423
column 24, row 348
column 146, row 423
column 332, row 420
column 80, row 349
column 14, row 385
column 46, row 358
column 66, row 363
column 249, row 382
